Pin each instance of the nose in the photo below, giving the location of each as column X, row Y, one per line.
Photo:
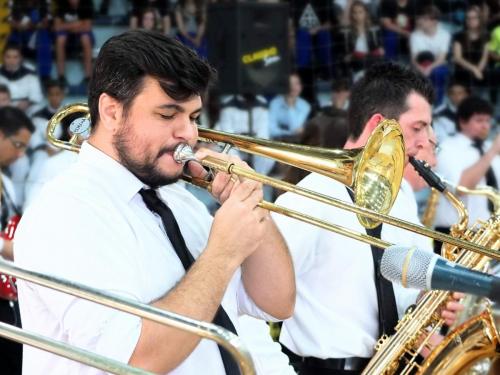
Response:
column 186, row 131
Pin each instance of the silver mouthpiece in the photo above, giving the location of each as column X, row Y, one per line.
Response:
column 184, row 153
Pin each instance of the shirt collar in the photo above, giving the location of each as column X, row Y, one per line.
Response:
column 111, row 172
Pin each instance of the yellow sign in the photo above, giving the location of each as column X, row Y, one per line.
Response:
column 262, row 55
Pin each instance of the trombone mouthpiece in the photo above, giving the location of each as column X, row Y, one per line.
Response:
column 184, row 153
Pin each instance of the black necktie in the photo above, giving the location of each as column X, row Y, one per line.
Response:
column 155, row 204
column 491, row 180
column 387, row 308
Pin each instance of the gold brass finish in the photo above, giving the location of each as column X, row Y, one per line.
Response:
column 424, row 319
column 229, row 167
column 374, row 172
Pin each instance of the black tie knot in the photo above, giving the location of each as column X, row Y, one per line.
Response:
column 151, row 199
column 478, row 143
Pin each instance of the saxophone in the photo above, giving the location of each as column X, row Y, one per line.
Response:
column 398, row 354
column 430, row 208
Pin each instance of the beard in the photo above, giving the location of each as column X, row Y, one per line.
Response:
column 146, row 169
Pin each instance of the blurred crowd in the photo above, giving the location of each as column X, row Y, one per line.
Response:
column 455, row 43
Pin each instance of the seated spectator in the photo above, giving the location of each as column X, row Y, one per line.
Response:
column 397, row 18
column 312, row 23
column 5, row 99
column 162, row 14
column 29, row 24
column 148, row 20
column 73, row 27
column 190, row 17
column 470, row 51
column 287, row 113
column 23, row 83
column 429, row 46
column 362, row 45
column 445, row 116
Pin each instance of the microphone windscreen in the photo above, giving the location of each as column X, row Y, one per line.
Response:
column 417, row 266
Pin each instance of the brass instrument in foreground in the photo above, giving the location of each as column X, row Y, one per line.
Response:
column 223, row 337
column 374, row 168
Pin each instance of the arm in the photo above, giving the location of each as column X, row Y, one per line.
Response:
column 459, row 60
column 484, row 58
column 389, row 25
column 272, row 263
column 472, row 175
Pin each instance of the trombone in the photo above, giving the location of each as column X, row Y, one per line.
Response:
column 222, row 336
column 374, row 173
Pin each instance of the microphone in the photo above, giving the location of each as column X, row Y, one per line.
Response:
column 420, row 269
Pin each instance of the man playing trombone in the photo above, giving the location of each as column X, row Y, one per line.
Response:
column 343, row 306
column 118, row 220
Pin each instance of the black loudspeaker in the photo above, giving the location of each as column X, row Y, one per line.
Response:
column 248, row 45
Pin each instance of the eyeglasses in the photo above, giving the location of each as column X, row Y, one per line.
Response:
column 19, row 145
column 436, row 147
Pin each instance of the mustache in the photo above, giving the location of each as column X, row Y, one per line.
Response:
column 167, row 149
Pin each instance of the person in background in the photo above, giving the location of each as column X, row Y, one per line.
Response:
column 397, row 18
column 30, row 28
column 73, row 28
column 288, row 113
column 191, row 19
column 429, row 46
column 5, row 98
column 15, row 132
column 162, row 13
column 362, row 42
column 445, row 116
column 23, row 83
column 470, row 51
column 469, row 159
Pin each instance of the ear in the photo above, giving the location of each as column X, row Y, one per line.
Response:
column 110, row 113
column 373, row 121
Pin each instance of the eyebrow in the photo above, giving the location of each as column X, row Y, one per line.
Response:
column 178, row 108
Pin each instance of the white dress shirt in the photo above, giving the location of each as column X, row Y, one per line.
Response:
column 336, row 311
column 456, row 155
column 91, row 226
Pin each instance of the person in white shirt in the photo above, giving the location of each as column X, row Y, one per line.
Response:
column 469, row 159
column 94, row 224
column 429, row 47
column 445, row 116
column 23, row 83
column 335, row 325
column 15, row 133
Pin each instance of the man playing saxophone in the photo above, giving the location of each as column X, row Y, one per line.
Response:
column 343, row 305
